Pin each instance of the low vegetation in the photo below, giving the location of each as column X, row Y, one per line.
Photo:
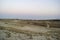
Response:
column 12, row 33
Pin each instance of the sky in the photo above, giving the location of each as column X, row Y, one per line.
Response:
column 30, row 9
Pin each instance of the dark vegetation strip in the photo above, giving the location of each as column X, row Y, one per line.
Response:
column 54, row 23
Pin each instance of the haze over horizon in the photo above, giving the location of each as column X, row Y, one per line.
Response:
column 30, row 9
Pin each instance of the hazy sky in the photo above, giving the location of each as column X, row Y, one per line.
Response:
column 30, row 9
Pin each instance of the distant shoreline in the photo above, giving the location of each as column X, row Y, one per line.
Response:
column 31, row 19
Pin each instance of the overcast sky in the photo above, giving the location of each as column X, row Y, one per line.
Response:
column 30, row 9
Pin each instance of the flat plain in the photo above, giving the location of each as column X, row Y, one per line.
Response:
column 17, row 29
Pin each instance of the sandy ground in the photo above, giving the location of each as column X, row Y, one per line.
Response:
column 43, row 33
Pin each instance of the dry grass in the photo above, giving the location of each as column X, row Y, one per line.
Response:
column 52, row 23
